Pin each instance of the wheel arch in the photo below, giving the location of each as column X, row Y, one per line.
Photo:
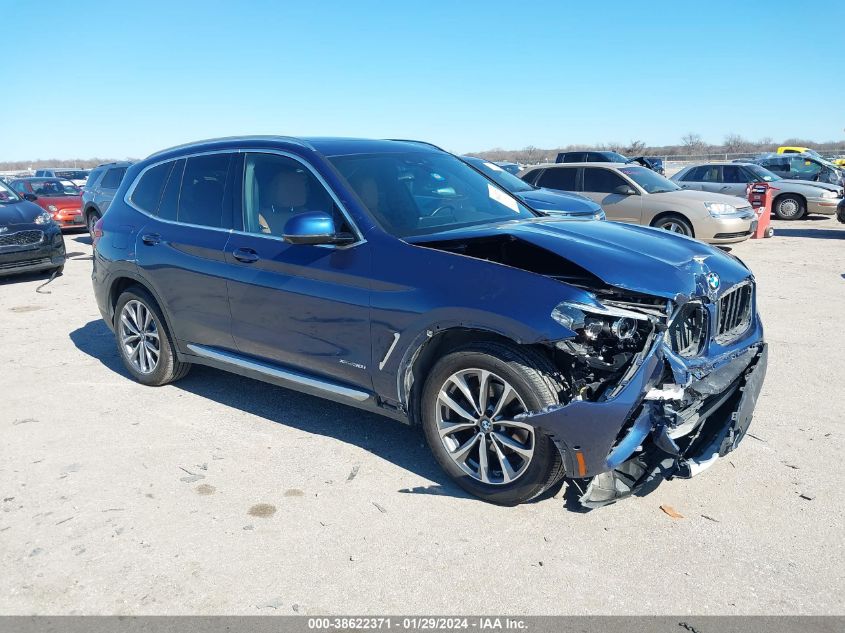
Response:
column 421, row 357
column 791, row 194
column 667, row 214
column 127, row 280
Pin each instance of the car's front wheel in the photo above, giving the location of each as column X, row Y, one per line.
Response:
column 470, row 407
column 789, row 207
column 674, row 224
column 143, row 341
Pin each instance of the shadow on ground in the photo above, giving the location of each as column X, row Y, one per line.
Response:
column 820, row 234
column 402, row 445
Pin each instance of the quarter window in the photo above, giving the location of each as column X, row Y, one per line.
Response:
column 169, row 204
column 602, row 180
column 147, row 193
column 277, row 188
column 203, row 188
column 112, row 178
column 561, row 178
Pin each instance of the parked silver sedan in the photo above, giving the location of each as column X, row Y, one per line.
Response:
column 793, row 199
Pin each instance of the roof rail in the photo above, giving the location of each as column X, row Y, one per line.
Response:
column 287, row 139
column 410, row 140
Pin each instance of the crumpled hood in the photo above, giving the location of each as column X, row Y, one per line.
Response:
column 23, row 212
column 545, row 200
column 642, row 259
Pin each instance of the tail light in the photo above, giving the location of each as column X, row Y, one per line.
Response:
column 98, row 232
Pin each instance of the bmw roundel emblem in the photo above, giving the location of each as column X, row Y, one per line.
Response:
column 713, row 281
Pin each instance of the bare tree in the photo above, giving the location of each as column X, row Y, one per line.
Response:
column 635, row 148
column 734, row 143
column 693, row 143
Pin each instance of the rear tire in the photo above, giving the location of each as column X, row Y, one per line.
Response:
column 143, row 341
column 519, row 462
column 674, row 224
column 91, row 219
column 789, row 207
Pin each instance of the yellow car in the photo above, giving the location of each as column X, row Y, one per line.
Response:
column 786, row 149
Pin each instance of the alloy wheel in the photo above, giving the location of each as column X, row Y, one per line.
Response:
column 139, row 338
column 475, row 421
column 673, row 227
column 788, row 208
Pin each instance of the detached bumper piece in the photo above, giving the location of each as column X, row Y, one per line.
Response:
column 720, row 419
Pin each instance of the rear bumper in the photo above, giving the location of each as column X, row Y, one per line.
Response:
column 48, row 253
column 619, row 445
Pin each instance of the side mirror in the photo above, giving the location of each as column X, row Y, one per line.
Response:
column 30, row 196
column 314, row 227
column 625, row 190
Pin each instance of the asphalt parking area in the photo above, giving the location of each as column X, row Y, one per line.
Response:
column 223, row 495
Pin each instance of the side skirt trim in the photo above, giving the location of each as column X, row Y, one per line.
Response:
column 286, row 375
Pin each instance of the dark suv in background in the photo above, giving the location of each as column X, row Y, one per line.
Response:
column 650, row 162
column 99, row 190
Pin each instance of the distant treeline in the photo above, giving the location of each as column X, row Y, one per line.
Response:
column 76, row 163
column 690, row 145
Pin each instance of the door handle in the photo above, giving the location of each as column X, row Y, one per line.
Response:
column 245, row 255
column 151, row 239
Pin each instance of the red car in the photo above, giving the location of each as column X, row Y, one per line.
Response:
column 60, row 198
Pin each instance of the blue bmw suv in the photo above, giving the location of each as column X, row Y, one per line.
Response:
column 392, row 276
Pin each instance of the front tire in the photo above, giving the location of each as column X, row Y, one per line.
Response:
column 143, row 340
column 789, row 207
column 674, row 224
column 468, row 406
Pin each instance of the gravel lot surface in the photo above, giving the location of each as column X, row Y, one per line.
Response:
column 223, row 495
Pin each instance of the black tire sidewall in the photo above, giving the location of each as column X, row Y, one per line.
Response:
column 167, row 365
column 91, row 219
column 534, row 480
column 797, row 200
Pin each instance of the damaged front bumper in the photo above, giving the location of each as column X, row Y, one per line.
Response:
column 669, row 417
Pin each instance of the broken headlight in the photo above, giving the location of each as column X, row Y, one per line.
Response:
column 592, row 322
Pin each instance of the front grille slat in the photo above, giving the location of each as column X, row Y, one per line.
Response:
column 21, row 238
column 734, row 313
column 688, row 332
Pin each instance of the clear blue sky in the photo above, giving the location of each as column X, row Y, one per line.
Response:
column 124, row 78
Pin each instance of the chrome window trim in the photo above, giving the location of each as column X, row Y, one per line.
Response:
column 127, row 197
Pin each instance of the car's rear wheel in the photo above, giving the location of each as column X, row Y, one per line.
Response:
column 143, row 341
column 674, row 224
column 789, row 207
column 91, row 218
column 470, row 403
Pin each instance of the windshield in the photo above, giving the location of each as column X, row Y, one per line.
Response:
column 649, row 180
column 504, row 178
column 416, row 193
column 615, row 157
column 6, row 194
column 54, row 187
column 762, row 174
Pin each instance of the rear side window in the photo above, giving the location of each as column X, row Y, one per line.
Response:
column 711, row 174
column 202, row 192
column 597, row 157
column 147, row 193
column 598, row 180
column 574, row 157
column 92, row 178
column 531, row 176
column 112, row 178
column 560, row 178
